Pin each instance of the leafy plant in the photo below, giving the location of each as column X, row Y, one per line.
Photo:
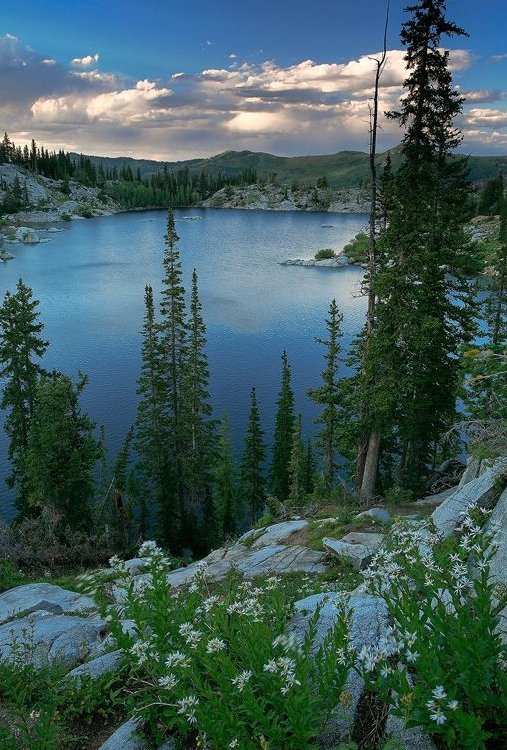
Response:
column 325, row 254
column 221, row 666
column 442, row 665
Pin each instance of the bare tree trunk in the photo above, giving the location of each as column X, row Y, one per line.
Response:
column 368, row 451
column 371, row 465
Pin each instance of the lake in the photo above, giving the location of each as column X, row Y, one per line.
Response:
column 90, row 281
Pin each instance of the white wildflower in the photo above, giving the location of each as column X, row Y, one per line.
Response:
column 439, row 693
column 168, row 682
column 241, row 679
column 214, row 645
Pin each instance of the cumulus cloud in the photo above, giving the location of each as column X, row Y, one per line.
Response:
column 86, row 61
column 307, row 107
column 486, row 118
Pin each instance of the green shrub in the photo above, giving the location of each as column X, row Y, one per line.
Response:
column 357, row 249
column 443, row 664
column 325, row 254
column 85, row 211
column 220, row 665
column 65, row 217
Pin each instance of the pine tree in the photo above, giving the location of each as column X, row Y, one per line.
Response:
column 21, row 346
column 296, row 465
column 496, row 303
column 282, row 441
column 252, row 474
column 423, row 311
column 308, row 469
column 199, row 428
column 225, row 490
column 151, row 432
column 62, row 451
column 328, row 395
column 173, row 339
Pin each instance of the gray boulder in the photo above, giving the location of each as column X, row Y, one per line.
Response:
column 41, row 639
column 480, row 492
column 278, row 533
column 42, row 596
column 472, row 470
column 127, row 737
column 369, row 625
column 97, row 667
column 355, row 548
column 410, row 739
column 378, row 514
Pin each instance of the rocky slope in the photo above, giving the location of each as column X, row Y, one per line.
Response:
column 64, row 626
column 275, row 197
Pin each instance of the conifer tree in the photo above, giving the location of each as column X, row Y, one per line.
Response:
column 328, row 395
column 308, row 469
column 151, row 433
column 496, row 304
column 225, row 490
column 62, row 451
column 296, row 465
column 172, row 331
column 282, row 441
column 423, row 311
column 252, row 474
column 21, row 347
column 198, row 427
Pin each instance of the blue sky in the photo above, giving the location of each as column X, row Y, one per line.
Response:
column 171, row 80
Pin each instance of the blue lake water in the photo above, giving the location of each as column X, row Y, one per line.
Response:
column 90, row 281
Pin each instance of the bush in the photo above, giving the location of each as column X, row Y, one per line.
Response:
column 85, row 211
column 442, row 665
column 220, row 665
column 44, row 543
column 325, row 254
column 357, row 249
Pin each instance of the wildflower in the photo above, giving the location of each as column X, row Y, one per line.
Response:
column 453, row 705
column 438, row 717
column 241, row 679
column 149, row 549
column 411, row 656
column 214, row 645
column 176, row 659
column 186, row 708
column 168, row 682
column 439, row 693
column 233, row 743
column 271, row 666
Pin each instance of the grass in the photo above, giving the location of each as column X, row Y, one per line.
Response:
column 11, row 576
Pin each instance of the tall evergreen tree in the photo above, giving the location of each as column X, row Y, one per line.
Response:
column 62, row 451
column 21, row 346
column 308, row 469
column 252, row 474
column 199, row 428
column 151, row 432
column 173, row 340
column 496, row 304
column 423, row 311
column 328, row 395
column 282, row 441
column 225, row 489
column 296, row 464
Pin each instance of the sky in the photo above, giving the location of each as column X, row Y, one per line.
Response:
column 170, row 80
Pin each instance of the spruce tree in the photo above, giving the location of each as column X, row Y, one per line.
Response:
column 151, row 431
column 296, row 465
column 282, row 441
column 496, row 302
column 328, row 395
column 308, row 469
column 252, row 473
column 424, row 310
column 225, row 490
column 21, row 346
column 172, row 331
column 62, row 451
column 197, row 424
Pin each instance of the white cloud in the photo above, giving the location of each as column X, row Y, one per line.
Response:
column 85, row 61
column 48, row 61
column 486, row 118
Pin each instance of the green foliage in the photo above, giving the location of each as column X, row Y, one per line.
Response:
column 61, row 451
column 357, row 249
column 326, row 253
column 283, row 434
column 225, row 487
column 252, row 478
column 398, row 495
column 444, row 662
column 328, row 395
column 296, row 466
column 85, row 211
column 221, row 665
column 491, row 197
column 21, row 348
column 424, row 297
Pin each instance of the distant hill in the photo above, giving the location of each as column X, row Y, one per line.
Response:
column 343, row 169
